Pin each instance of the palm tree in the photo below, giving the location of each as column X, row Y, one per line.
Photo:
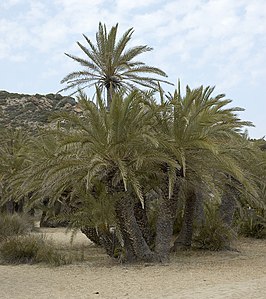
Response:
column 250, row 212
column 211, row 131
column 194, row 130
column 12, row 161
column 137, row 145
column 111, row 65
column 116, row 148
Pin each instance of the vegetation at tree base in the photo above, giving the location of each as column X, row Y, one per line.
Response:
column 21, row 243
column 32, row 249
column 213, row 233
column 14, row 225
column 139, row 177
column 252, row 223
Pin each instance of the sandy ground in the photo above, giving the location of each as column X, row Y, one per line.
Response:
column 192, row 274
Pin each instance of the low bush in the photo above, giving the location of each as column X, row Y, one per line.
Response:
column 48, row 254
column 252, row 223
column 13, row 225
column 213, row 234
column 31, row 249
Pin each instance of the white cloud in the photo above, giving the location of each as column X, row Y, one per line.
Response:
column 13, row 38
column 7, row 4
column 219, row 35
column 126, row 6
column 216, row 36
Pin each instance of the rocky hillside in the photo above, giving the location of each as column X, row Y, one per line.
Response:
column 30, row 111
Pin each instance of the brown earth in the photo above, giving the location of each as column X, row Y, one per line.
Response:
column 191, row 274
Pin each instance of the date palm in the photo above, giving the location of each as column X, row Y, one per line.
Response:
column 116, row 148
column 209, row 141
column 195, row 130
column 12, row 160
column 111, row 65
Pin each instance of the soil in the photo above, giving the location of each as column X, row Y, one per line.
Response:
column 189, row 274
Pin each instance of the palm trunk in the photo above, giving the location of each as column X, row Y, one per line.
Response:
column 199, row 208
column 109, row 97
column 134, row 242
column 142, row 221
column 105, row 239
column 184, row 238
column 228, row 204
column 135, row 246
column 109, row 242
column 92, row 234
column 127, row 245
column 165, row 222
column 10, row 207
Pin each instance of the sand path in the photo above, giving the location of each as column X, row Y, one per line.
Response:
column 188, row 275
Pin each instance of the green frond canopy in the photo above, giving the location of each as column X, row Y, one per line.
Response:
column 138, row 142
column 199, row 125
column 113, row 146
column 110, row 64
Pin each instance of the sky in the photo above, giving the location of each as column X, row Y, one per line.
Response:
column 218, row 43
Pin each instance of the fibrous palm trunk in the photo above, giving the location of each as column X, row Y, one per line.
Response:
column 228, row 204
column 135, row 245
column 184, row 238
column 142, row 221
column 92, row 234
column 104, row 238
column 199, row 208
column 165, row 222
column 14, row 207
column 109, row 91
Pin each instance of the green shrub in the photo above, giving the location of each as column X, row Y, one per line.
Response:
column 21, row 249
column 252, row 223
column 48, row 254
column 12, row 225
column 31, row 249
column 213, row 234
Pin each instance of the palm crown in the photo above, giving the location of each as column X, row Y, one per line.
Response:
column 111, row 65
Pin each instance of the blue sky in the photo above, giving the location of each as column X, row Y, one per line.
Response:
column 202, row 42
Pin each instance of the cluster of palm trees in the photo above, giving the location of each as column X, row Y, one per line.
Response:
column 135, row 172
